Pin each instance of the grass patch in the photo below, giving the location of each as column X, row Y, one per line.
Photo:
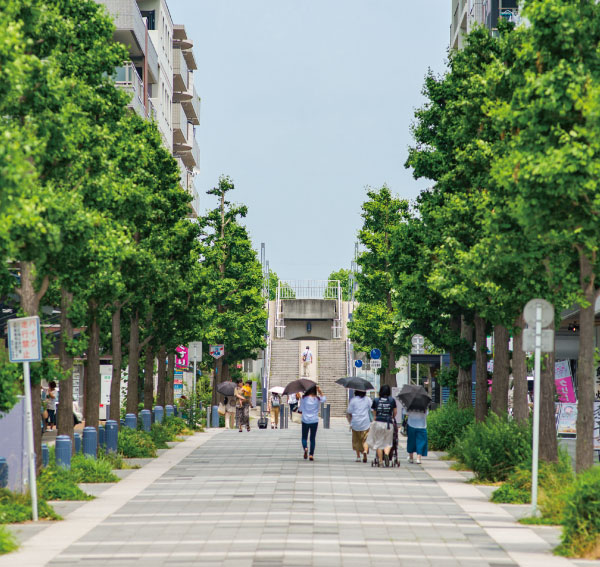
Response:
column 16, row 508
column 118, row 462
column 458, row 466
column 84, row 469
column 537, row 521
column 56, row 483
column 8, row 542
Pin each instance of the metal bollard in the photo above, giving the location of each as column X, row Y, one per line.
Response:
column 101, row 437
column 63, row 449
column 45, row 455
column 282, row 417
column 207, row 411
column 90, row 442
column 4, row 472
column 215, row 416
column 111, row 436
column 131, row 421
column 146, row 417
column 107, row 412
column 77, row 440
column 169, row 411
column 288, row 415
column 327, row 416
column 159, row 413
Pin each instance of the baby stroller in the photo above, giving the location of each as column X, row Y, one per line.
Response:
column 393, row 459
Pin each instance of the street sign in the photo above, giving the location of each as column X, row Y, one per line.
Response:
column 375, row 354
column 529, row 340
column 358, row 363
column 24, row 340
column 530, row 311
column 195, row 351
column 375, row 364
column 418, row 340
column 216, row 351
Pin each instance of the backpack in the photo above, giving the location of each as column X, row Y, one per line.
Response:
column 275, row 400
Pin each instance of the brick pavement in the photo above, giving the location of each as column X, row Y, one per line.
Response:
column 249, row 499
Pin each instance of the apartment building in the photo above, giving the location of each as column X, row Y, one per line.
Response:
column 159, row 76
column 467, row 13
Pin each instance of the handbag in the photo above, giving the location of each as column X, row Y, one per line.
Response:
column 221, row 408
column 296, row 417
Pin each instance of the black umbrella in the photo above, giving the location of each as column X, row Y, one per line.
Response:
column 414, row 398
column 226, row 388
column 355, row 383
column 297, row 386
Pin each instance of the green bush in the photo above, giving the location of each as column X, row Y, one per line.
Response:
column 57, row 483
column 84, row 469
column 135, row 444
column 447, row 423
column 160, row 434
column 7, row 541
column 176, row 425
column 15, row 508
column 492, row 449
column 581, row 517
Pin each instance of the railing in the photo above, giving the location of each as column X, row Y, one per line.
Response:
column 279, row 321
column 478, row 12
column 127, row 78
column 310, row 289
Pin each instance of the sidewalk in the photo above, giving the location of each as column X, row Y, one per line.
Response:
column 249, row 499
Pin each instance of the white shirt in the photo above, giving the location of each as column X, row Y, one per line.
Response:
column 359, row 408
column 308, row 355
column 292, row 399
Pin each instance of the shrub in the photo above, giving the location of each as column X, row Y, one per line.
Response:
column 16, row 508
column 581, row 517
column 7, row 541
column 135, row 444
column 84, row 469
column 56, row 483
column 160, row 434
column 176, row 425
column 492, row 449
column 447, row 423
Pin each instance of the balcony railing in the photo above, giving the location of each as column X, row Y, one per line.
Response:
column 127, row 78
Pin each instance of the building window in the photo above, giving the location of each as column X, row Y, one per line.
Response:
column 150, row 16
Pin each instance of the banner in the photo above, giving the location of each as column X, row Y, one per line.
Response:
column 596, row 426
column 564, row 382
column 181, row 358
column 567, row 419
column 178, row 384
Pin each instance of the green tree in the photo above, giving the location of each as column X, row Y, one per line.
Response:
column 343, row 276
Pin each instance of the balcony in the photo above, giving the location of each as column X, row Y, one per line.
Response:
column 180, row 71
column 188, row 152
column 180, row 129
column 128, row 79
column 191, row 106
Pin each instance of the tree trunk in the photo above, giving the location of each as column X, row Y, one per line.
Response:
column 65, row 407
column 519, row 372
column 217, row 380
column 169, row 391
column 30, row 303
column 117, row 359
column 149, row 379
column 161, row 377
column 134, row 363
column 92, row 374
column 548, row 442
column 389, row 373
column 501, row 371
column 454, row 330
column 586, row 367
column 464, row 384
column 481, row 375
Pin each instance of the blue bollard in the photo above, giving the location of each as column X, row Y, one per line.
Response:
column 159, row 414
column 63, row 449
column 175, row 412
column 146, row 417
column 215, row 416
column 131, row 421
column 169, row 411
column 3, row 473
column 90, row 442
column 207, row 411
column 101, row 437
column 111, row 436
column 107, row 412
column 77, row 439
column 45, row 455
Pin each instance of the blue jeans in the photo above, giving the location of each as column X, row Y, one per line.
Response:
column 312, row 427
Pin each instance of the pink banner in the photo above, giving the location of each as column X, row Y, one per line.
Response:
column 181, row 360
column 565, row 390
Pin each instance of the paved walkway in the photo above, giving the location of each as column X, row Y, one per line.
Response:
column 249, row 499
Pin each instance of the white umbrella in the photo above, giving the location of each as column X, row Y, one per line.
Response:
column 277, row 390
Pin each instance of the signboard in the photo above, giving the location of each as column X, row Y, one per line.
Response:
column 181, row 358
column 596, row 426
column 24, row 340
column 564, row 382
column 105, row 381
column 567, row 419
column 178, row 384
column 375, row 354
column 375, row 364
column 195, row 351
column 216, row 351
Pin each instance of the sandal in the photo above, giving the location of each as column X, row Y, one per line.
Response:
column 357, row 460
column 311, row 458
column 305, row 454
column 364, row 457
column 386, row 460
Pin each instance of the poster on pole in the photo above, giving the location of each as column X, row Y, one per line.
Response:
column 24, row 340
column 216, row 351
column 567, row 419
column 564, row 382
column 178, row 384
column 596, row 426
column 181, row 357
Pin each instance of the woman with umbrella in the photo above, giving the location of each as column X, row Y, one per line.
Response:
column 416, row 401
column 242, row 412
column 309, row 408
column 358, row 414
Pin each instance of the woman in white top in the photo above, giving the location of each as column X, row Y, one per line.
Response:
column 359, row 416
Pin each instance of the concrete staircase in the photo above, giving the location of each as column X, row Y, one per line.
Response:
column 332, row 366
column 285, row 362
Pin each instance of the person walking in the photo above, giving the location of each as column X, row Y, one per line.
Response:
column 416, row 441
column 309, row 408
column 230, row 410
column 273, row 408
column 51, row 398
column 307, row 359
column 381, row 434
column 293, row 402
column 359, row 416
column 242, row 410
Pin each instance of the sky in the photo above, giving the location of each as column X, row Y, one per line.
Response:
column 305, row 103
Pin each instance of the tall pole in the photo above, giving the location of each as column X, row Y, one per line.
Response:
column 30, row 447
column 536, row 408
